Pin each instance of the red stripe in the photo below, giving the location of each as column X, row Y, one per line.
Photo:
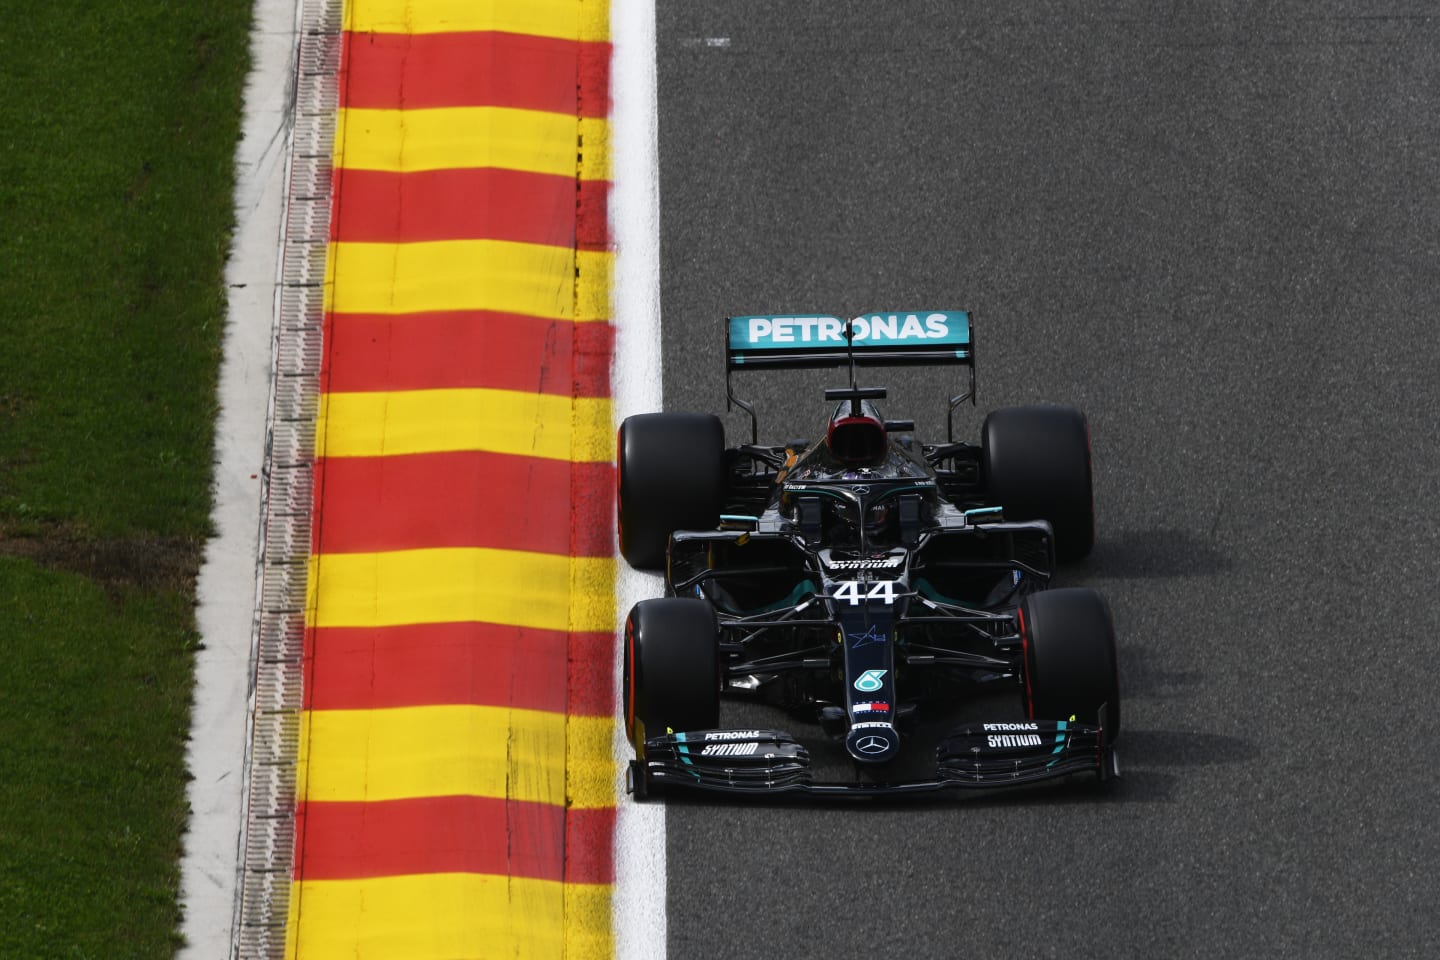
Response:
column 394, row 71
column 485, row 664
column 343, row 841
column 1025, row 661
column 464, row 498
column 628, row 676
column 594, row 80
column 479, row 203
column 592, row 215
column 592, row 675
column 463, row 349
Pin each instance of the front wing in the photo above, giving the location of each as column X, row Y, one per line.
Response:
column 974, row 756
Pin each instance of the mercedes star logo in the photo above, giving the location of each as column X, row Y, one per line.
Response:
column 872, row 744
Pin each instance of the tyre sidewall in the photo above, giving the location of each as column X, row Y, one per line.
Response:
column 1036, row 465
column 1068, row 637
column 671, row 476
column 671, row 668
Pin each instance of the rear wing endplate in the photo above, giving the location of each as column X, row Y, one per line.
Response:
column 892, row 339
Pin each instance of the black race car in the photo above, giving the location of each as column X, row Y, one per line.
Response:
column 872, row 587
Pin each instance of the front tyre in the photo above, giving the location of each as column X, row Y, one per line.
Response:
column 672, row 669
column 1036, row 464
column 671, row 477
column 1070, row 669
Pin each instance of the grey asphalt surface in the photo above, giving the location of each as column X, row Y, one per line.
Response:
column 1215, row 226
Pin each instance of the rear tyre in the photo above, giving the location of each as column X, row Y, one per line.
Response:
column 672, row 669
column 1070, row 665
column 672, row 477
column 1036, row 463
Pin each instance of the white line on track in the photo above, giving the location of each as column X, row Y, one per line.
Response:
column 639, row 898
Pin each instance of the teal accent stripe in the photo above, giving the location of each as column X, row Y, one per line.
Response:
column 684, row 750
column 1060, row 736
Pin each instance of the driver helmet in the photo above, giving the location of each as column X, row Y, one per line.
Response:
column 877, row 520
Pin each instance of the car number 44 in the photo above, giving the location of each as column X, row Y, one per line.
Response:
column 855, row 591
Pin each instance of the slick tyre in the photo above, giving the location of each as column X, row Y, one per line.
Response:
column 672, row 669
column 672, row 477
column 1070, row 667
column 1036, row 465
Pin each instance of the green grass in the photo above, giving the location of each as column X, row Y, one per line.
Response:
column 116, row 174
column 91, row 776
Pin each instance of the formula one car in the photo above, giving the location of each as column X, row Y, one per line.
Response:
column 867, row 585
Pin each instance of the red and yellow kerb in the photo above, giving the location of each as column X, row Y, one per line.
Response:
column 456, row 775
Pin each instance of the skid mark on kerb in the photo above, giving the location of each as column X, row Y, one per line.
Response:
column 464, row 599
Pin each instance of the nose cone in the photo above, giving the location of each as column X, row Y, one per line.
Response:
column 872, row 742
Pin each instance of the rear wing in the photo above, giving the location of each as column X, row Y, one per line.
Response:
column 892, row 339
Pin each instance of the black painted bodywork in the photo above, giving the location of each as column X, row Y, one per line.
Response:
column 862, row 629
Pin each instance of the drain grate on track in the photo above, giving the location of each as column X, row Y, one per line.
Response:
column 277, row 647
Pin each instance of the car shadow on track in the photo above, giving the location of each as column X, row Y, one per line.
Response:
column 1151, row 554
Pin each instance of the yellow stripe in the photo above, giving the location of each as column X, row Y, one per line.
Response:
column 594, row 20
column 525, row 278
column 446, row 138
column 457, row 750
column 450, row 916
column 565, row 19
column 592, row 286
column 594, row 149
column 461, row 584
column 292, row 916
column 549, row 426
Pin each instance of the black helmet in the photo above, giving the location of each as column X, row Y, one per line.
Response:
column 877, row 521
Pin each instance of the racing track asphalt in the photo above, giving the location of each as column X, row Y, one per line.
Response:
column 1215, row 226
